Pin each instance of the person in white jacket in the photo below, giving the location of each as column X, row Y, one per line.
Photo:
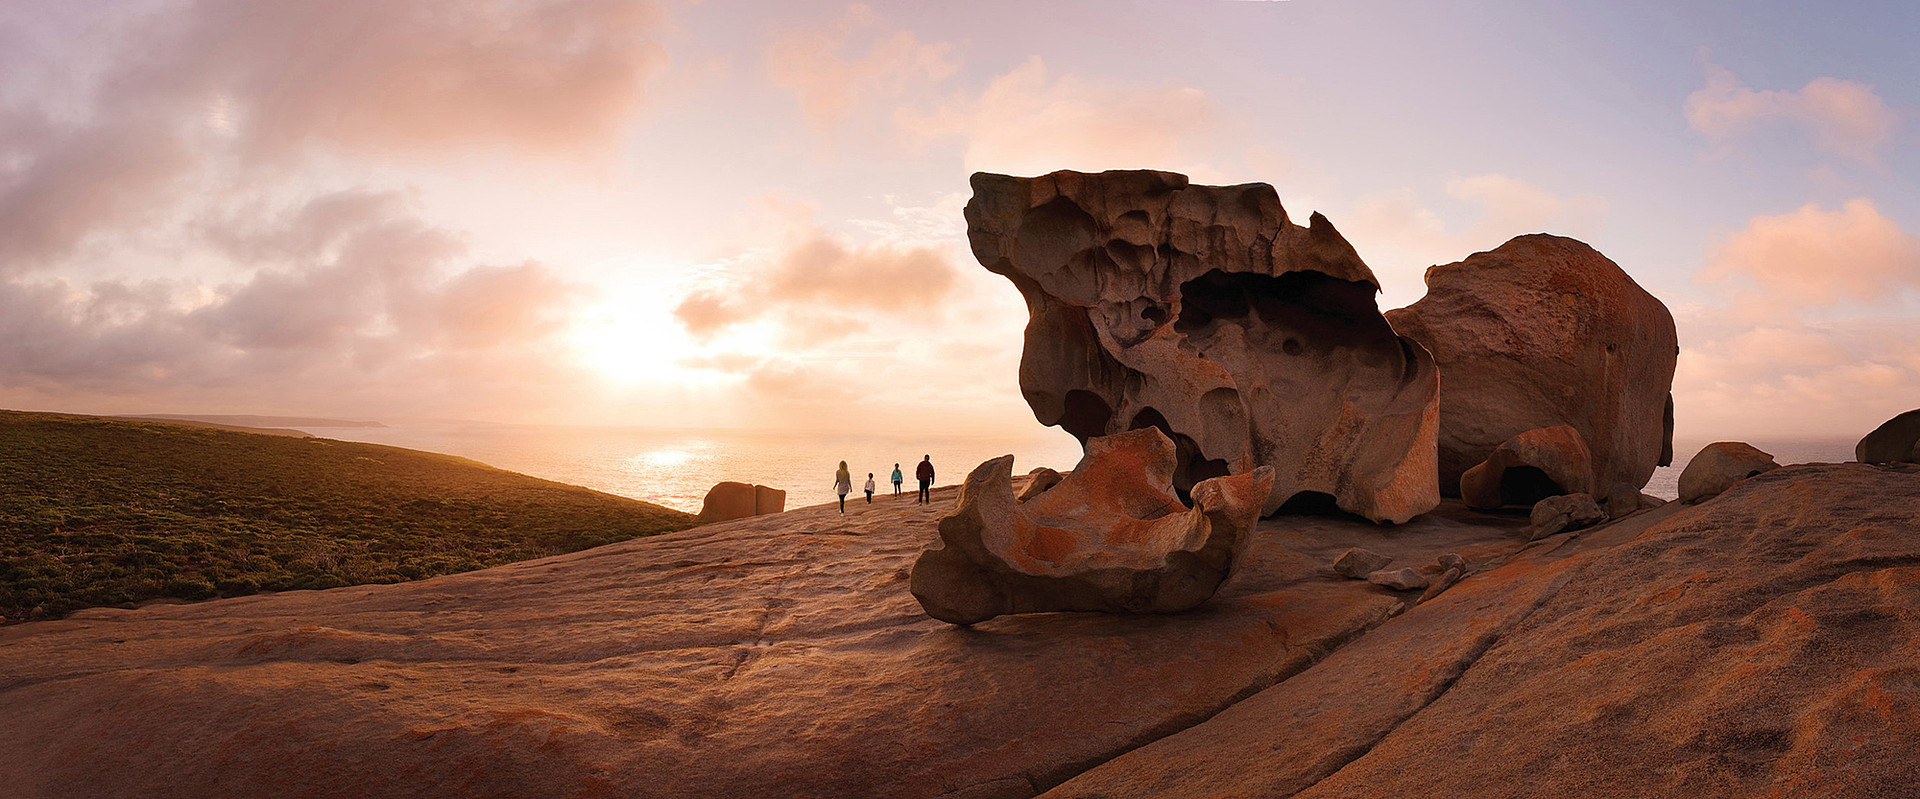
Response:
column 842, row 485
column 869, row 488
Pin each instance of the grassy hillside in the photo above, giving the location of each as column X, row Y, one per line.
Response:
column 97, row 511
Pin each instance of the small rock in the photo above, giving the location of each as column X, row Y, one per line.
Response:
column 1564, row 512
column 1442, row 583
column 1718, row 466
column 1357, row 563
column 1402, row 579
column 1651, row 501
column 730, row 500
column 1622, row 500
column 1453, row 561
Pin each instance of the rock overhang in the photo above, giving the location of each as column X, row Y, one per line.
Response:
column 1205, row 312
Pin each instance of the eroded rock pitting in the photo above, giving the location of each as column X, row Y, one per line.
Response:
column 1204, row 312
column 1112, row 536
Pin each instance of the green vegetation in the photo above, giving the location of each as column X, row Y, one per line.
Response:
column 97, row 511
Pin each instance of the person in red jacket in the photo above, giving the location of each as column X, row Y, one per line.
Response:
column 925, row 473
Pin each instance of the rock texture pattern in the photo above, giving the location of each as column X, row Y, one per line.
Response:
column 1038, row 481
column 729, row 500
column 1112, row 536
column 1718, row 466
column 1530, row 467
column 1357, row 563
column 1565, row 512
column 1546, row 331
column 1760, row 645
column 1205, row 312
column 1405, row 578
column 1897, row 441
column 779, row 655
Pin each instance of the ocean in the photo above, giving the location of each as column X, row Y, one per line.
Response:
column 676, row 467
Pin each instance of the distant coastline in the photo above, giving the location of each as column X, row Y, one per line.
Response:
column 251, row 420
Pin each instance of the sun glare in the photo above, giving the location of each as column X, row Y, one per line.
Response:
column 662, row 458
column 631, row 337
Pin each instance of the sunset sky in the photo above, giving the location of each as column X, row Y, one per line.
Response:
column 731, row 214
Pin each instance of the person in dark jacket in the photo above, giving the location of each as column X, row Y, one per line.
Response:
column 925, row 473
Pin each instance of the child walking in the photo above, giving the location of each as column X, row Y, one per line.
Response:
column 869, row 488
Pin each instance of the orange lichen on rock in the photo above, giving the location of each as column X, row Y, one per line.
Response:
column 1112, row 536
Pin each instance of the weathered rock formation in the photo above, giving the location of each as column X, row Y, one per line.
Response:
column 1758, row 645
column 729, row 500
column 1897, row 441
column 1545, row 331
column 1712, row 650
column 1529, row 467
column 1205, row 312
column 779, row 655
column 1112, row 536
column 1719, row 466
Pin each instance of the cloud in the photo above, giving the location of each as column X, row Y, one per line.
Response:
column 364, row 299
column 559, row 77
column 1791, row 378
column 98, row 177
column 829, row 80
column 1814, row 256
column 194, row 85
column 1846, row 118
column 1792, row 351
column 1029, row 121
column 818, row 286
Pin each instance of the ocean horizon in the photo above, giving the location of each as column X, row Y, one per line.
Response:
column 675, row 468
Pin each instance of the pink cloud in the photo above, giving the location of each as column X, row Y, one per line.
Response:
column 1838, row 379
column 365, row 301
column 1030, row 121
column 1815, row 256
column 555, row 77
column 73, row 186
column 706, row 312
column 817, row 287
column 833, row 68
column 1846, row 118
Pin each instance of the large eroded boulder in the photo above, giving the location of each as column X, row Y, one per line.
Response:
column 1204, row 311
column 1897, row 441
column 1112, row 536
column 1545, row 331
column 1718, row 466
